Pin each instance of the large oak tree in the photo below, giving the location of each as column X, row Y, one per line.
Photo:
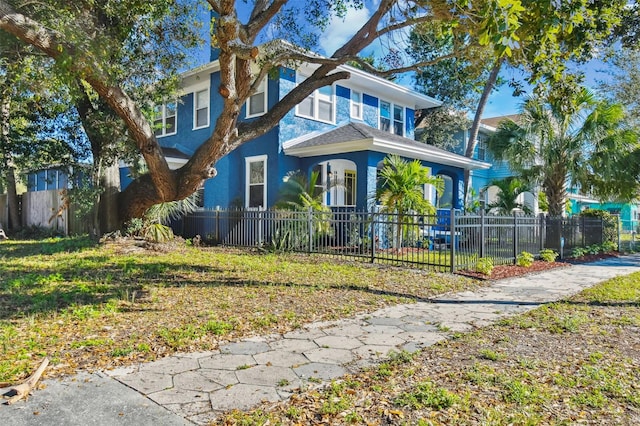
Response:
column 245, row 59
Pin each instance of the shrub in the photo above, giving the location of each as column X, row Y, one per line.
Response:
column 157, row 233
column 578, row 252
column 524, row 259
column 548, row 255
column 484, row 265
column 593, row 249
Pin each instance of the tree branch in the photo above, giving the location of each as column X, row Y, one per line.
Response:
column 261, row 15
column 50, row 42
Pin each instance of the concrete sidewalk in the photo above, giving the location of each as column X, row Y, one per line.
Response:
column 196, row 388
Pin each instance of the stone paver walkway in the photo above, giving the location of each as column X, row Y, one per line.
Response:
column 200, row 386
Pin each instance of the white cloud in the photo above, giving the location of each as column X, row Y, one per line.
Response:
column 341, row 30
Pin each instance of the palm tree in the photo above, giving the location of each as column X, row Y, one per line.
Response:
column 568, row 137
column 301, row 194
column 507, row 196
column 401, row 189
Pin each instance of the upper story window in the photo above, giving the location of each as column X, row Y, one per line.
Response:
column 391, row 118
column 319, row 105
column 257, row 103
column 356, row 105
column 165, row 121
column 201, row 109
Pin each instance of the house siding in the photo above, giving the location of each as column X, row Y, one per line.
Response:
column 228, row 188
column 370, row 110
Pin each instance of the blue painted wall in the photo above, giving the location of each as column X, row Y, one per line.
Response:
column 48, row 179
column 370, row 110
column 228, row 187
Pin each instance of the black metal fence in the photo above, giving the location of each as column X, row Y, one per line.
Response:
column 446, row 241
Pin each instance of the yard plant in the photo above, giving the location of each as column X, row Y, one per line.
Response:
column 548, row 255
column 524, row 259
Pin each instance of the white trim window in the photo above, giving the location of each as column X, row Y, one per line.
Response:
column 201, row 109
column 256, row 181
column 356, row 105
column 391, row 118
column 165, row 119
column 319, row 105
column 257, row 103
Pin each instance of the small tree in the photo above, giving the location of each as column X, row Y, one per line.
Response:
column 509, row 189
column 299, row 193
column 401, row 189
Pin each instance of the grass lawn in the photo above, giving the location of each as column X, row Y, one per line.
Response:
column 90, row 307
column 573, row 362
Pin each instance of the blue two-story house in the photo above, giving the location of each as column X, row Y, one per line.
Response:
column 343, row 131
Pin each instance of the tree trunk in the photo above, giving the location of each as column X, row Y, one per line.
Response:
column 108, row 205
column 475, row 127
column 556, row 196
column 15, row 221
column 7, row 163
column 106, row 177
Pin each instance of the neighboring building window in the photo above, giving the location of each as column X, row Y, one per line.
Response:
column 165, row 119
column 257, row 103
column 201, row 109
column 350, row 187
column 391, row 118
column 356, row 105
column 256, row 179
column 482, row 147
column 318, row 105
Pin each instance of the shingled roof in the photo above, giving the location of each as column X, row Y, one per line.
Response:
column 352, row 137
column 173, row 153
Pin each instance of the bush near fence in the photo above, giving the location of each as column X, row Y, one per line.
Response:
column 447, row 241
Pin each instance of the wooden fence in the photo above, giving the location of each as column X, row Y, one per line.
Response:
column 46, row 209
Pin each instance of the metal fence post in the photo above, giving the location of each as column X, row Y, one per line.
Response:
column 452, row 230
column 310, row 228
column 260, row 226
column 217, row 226
column 543, row 233
column 515, row 236
column 482, row 233
column 373, row 234
column 560, row 237
column 618, row 228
